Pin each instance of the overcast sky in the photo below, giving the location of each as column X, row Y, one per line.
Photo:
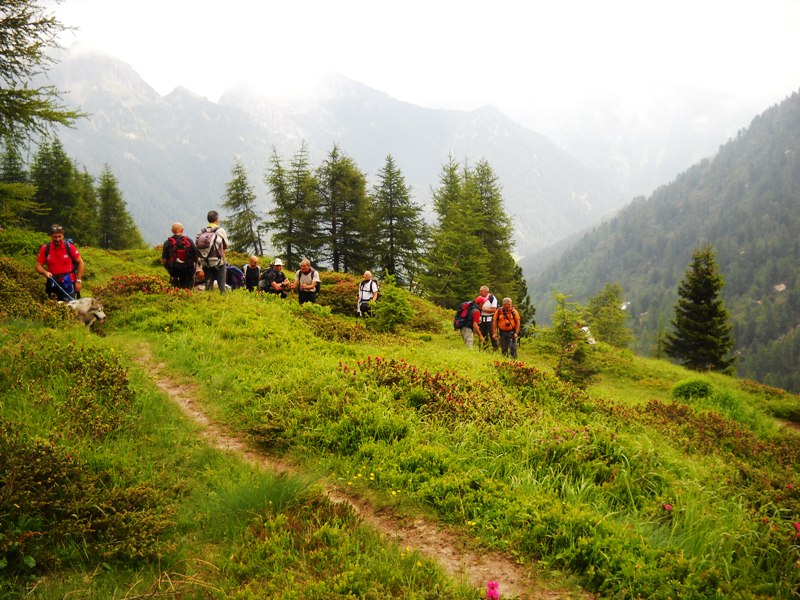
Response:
column 515, row 55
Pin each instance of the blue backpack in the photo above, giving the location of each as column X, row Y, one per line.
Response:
column 234, row 277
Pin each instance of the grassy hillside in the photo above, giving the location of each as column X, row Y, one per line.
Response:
column 652, row 483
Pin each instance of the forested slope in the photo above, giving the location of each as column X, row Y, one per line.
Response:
column 745, row 201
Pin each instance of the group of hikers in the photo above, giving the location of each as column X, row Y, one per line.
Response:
column 203, row 261
column 492, row 325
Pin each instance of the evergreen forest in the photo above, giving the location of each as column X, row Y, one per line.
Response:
column 745, row 202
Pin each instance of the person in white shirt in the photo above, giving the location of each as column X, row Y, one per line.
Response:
column 307, row 282
column 367, row 294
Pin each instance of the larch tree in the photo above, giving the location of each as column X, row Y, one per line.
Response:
column 398, row 229
column 293, row 217
column 242, row 222
column 701, row 337
column 456, row 263
column 27, row 32
column 343, row 213
column 607, row 317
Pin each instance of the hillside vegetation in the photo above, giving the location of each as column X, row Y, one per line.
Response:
column 653, row 482
column 745, row 203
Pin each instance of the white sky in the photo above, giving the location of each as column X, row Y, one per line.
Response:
column 515, row 55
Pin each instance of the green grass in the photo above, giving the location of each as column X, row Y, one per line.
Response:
column 627, row 487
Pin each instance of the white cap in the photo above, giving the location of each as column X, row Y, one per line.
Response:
column 277, row 262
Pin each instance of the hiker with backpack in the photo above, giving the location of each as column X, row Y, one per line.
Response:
column 252, row 274
column 179, row 257
column 307, row 282
column 61, row 264
column 468, row 321
column 488, row 309
column 211, row 244
column 506, row 322
column 367, row 294
column 275, row 281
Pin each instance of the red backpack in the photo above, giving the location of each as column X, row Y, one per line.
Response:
column 178, row 254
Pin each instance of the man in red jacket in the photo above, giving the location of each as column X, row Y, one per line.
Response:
column 61, row 264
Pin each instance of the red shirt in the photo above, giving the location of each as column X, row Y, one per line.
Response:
column 59, row 261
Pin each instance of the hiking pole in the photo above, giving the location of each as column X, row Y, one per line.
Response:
column 62, row 289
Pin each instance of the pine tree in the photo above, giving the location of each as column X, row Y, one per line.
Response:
column 701, row 337
column 87, row 209
column 398, row 230
column 117, row 228
column 343, row 213
column 242, row 224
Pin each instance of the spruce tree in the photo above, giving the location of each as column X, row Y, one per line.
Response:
column 701, row 338
column 242, row 222
column 58, row 188
column 117, row 228
column 398, row 230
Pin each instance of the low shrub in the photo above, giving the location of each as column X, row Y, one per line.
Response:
column 694, row 387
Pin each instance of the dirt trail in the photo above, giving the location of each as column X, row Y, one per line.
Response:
column 427, row 537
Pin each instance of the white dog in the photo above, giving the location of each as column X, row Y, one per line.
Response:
column 89, row 309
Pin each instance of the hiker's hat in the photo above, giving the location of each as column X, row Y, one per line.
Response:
column 480, row 300
column 56, row 228
column 277, row 262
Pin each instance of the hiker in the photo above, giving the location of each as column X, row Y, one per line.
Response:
column 470, row 323
column 179, row 257
column 506, row 322
column 61, row 264
column 307, row 282
column 367, row 294
column 211, row 244
column 275, row 281
column 252, row 273
column 487, row 314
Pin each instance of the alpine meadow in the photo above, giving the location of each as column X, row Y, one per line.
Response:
column 308, row 442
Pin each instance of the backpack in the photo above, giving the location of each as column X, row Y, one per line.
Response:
column 506, row 321
column 208, row 248
column 178, row 254
column 463, row 316
column 71, row 250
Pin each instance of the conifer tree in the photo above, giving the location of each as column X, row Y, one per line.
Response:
column 607, row 318
column 17, row 194
column 701, row 337
column 117, row 228
column 58, row 188
column 27, row 31
column 522, row 301
column 494, row 229
column 398, row 230
column 293, row 217
column 343, row 213
column 242, row 223
column 87, row 209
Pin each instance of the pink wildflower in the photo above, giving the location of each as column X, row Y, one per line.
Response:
column 667, row 507
column 492, row 590
column 796, row 528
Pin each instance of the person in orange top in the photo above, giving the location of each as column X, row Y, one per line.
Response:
column 61, row 264
column 506, row 322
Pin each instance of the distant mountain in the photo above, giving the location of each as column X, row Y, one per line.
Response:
column 173, row 155
column 746, row 202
